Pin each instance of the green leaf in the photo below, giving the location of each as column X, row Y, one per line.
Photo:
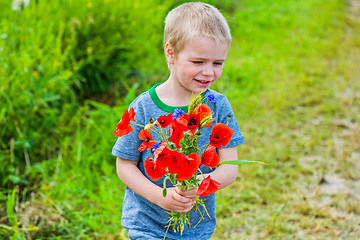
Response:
column 10, row 203
column 164, row 192
column 5, row 227
column 238, row 162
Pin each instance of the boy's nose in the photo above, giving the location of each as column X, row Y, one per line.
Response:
column 208, row 71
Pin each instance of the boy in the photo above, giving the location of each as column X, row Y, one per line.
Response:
column 196, row 41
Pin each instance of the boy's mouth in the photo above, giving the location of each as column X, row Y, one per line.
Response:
column 202, row 81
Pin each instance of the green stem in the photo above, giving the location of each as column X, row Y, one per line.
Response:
column 228, row 120
column 157, row 134
column 201, row 173
column 202, row 155
column 135, row 124
column 163, row 133
column 203, row 146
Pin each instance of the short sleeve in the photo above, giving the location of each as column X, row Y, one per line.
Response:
column 225, row 112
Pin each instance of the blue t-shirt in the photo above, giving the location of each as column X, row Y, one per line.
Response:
column 140, row 215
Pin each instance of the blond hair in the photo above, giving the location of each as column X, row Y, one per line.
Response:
column 195, row 19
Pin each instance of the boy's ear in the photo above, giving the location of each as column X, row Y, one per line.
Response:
column 169, row 53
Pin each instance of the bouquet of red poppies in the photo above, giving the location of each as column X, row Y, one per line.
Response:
column 177, row 156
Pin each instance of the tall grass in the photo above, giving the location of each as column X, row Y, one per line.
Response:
column 55, row 55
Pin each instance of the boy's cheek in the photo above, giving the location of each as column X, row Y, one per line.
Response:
column 218, row 74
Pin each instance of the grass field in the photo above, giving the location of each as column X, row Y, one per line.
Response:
column 305, row 125
column 292, row 78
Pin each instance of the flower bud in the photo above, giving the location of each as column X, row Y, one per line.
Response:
column 205, row 122
column 194, row 102
column 149, row 126
column 228, row 119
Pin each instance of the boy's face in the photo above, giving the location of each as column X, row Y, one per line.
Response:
column 199, row 64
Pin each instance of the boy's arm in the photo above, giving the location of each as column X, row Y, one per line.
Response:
column 129, row 173
column 226, row 173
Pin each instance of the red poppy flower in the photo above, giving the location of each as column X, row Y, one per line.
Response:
column 207, row 187
column 124, row 127
column 203, row 111
column 148, row 140
column 165, row 120
column 161, row 156
column 221, row 135
column 176, row 161
column 151, row 170
column 159, row 150
column 188, row 166
column 176, row 130
column 196, row 158
column 193, row 122
column 210, row 157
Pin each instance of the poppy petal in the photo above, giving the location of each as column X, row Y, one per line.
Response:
column 165, row 120
column 145, row 134
column 151, row 170
column 221, row 135
column 210, row 157
column 208, row 186
column 124, row 127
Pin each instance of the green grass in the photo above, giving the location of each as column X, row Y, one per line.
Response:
column 303, row 124
column 291, row 77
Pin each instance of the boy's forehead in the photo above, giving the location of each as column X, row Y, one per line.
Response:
column 203, row 41
column 204, row 47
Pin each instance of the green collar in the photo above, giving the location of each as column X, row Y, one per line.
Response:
column 163, row 106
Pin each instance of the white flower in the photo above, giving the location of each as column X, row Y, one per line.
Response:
column 18, row 5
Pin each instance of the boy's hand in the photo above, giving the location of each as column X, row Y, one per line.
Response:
column 175, row 202
column 191, row 193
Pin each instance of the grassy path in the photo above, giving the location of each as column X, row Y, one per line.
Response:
column 306, row 126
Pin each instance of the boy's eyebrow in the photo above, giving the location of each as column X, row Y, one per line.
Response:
column 201, row 58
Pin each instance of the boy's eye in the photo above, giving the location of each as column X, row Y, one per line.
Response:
column 197, row 62
column 218, row 63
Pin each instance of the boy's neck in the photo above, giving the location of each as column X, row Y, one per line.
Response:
column 173, row 94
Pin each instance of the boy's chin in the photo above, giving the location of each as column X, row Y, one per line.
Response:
column 199, row 91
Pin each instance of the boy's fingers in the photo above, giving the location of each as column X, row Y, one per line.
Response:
column 180, row 203
column 191, row 192
column 188, row 194
column 182, row 199
column 185, row 207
